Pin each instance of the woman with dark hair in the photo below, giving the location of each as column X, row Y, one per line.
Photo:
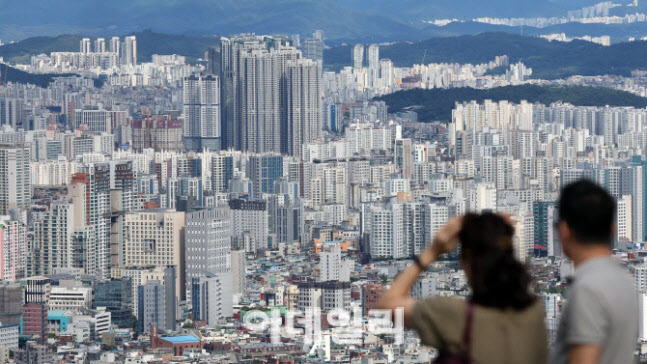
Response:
column 501, row 322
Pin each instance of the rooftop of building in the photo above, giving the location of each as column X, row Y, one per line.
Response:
column 181, row 339
column 54, row 314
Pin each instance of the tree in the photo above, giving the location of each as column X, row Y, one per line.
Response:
column 135, row 328
column 384, row 278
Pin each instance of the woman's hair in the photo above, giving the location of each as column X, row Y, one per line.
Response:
column 498, row 279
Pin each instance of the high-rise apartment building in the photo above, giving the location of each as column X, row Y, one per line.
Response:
column 170, row 297
column 257, row 94
column 239, row 272
column 129, row 51
column 115, row 46
column 92, row 188
column 373, row 56
column 100, row 45
column 202, row 129
column 11, row 112
column 15, row 178
column 98, row 121
column 403, row 155
column 13, row 249
column 303, row 124
column 151, row 306
column 138, row 277
column 358, row 56
column 313, row 47
column 332, row 267
column 208, row 242
column 86, row 45
column 250, row 223
column 155, row 238
column 483, row 198
column 264, row 170
column 157, row 133
column 116, row 296
column 62, row 239
column 11, row 299
column 212, row 298
column 401, row 229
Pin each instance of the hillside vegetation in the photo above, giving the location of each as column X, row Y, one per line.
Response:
column 549, row 60
column 437, row 104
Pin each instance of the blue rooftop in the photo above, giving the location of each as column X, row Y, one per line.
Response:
column 52, row 314
column 181, row 339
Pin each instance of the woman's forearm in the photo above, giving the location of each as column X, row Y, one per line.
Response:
column 403, row 282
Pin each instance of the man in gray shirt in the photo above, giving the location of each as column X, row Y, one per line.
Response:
column 599, row 323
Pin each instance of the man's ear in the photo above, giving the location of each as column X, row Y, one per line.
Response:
column 565, row 232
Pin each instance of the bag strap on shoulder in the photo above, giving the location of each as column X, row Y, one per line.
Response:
column 467, row 332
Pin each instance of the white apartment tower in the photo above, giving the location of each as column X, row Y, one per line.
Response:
column 212, row 298
column 373, row 56
column 358, row 56
column 154, row 238
column 201, row 95
column 129, row 51
column 100, row 45
column 15, row 178
column 269, row 97
column 86, row 45
column 303, row 124
column 13, row 249
column 239, row 272
column 208, row 241
column 115, row 46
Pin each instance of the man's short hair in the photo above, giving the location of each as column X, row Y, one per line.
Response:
column 588, row 210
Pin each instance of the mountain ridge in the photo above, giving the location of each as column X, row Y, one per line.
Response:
column 340, row 19
column 437, row 104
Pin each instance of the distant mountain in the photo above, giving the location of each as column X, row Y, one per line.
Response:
column 437, row 104
column 341, row 19
column 549, row 60
column 10, row 74
column 438, row 9
column 148, row 43
column 205, row 17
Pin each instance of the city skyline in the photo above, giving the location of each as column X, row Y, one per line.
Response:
column 251, row 196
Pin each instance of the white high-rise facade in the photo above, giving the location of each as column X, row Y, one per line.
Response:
column 239, row 272
column 250, row 224
column 358, row 56
column 208, row 242
column 330, row 265
column 623, row 219
column 271, row 97
column 313, row 47
column 13, row 249
column 129, row 51
column 642, row 318
column 402, row 229
column 15, row 178
column 100, row 45
column 303, row 102
column 260, row 102
column 86, row 45
column 212, row 298
column 154, row 238
column 115, row 46
column 373, row 56
column 483, row 197
column 91, row 189
column 61, row 238
column 202, row 128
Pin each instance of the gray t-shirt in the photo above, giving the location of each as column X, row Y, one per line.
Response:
column 601, row 309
